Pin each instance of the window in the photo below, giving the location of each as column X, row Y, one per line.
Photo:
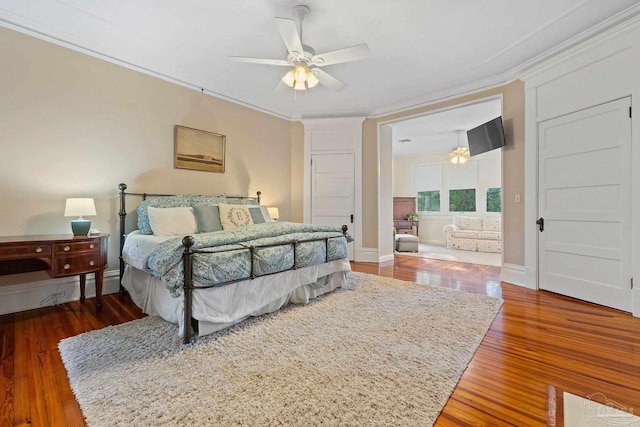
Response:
column 494, row 199
column 429, row 201
column 462, row 200
column 427, row 183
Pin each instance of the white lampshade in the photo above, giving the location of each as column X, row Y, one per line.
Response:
column 79, row 207
column 289, row 79
column 300, row 73
column 273, row 213
column 312, row 80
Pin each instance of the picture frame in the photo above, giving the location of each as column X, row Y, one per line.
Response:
column 199, row 150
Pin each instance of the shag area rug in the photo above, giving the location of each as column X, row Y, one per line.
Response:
column 385, row 352
column 455, row 255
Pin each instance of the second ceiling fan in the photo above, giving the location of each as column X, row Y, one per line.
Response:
column 305, row 65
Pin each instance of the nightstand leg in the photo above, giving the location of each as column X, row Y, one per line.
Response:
column 83, row 282
column 99, row 275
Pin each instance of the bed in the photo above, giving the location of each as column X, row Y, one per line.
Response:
column 208, row 262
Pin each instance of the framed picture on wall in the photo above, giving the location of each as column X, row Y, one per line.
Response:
column 199, row 150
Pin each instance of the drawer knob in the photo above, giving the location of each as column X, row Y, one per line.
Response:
column 67, row 249
column 38, row 250
column 91, row 263
column 91, row 246
column 67, row 266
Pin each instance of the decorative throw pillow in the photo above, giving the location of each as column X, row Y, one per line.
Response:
column 259, row 214
column 208, row 200
column 232, row 216
column 161, row 202
column 207, row 218
column 172, row 221
column 253, row 201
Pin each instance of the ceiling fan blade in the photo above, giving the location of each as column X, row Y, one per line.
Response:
column 259, row 60
column 328, row 80
column 289, row 34
column 353, row 53
column 280, row 87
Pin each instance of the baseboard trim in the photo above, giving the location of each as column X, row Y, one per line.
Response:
column 369, row 255
column 434, row 242
column 513, row 274
column 43, row 293
column 386, row 258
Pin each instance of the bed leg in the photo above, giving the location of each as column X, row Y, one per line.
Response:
column 187, row 242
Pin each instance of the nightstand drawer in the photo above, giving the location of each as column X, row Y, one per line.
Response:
column 25, row 251
column 91, row 245
column 72, row 265
column 405, row 231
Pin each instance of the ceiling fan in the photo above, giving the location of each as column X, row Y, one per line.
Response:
column 460, row 154
column 305, row 65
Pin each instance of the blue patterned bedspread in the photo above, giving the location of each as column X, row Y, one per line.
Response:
column 227, row 257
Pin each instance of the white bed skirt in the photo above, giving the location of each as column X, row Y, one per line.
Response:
column 220, row 307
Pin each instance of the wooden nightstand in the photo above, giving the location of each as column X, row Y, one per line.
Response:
column 59, row 255
column 405, row 226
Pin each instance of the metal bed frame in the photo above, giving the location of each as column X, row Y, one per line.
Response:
column 189, row 252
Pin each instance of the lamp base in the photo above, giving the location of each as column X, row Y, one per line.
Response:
column 80, row 227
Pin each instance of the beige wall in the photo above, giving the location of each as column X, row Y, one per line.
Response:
column 512, row 166
column 513, row 173
column 297, row 172
column 72, row 125
column 76, row 126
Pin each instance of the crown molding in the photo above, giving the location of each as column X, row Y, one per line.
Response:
column 619, row 24
column 615, row 27
column 446, row 95
column 4, row 22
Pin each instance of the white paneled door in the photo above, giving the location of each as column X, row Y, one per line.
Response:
column 332, row 191
column 585, row 205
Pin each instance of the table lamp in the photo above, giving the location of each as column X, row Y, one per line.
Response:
column 80, row 208
column 273, row 213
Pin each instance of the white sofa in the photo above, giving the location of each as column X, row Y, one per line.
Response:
column 473, row 233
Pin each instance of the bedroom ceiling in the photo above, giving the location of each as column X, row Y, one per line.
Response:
column 421, row 50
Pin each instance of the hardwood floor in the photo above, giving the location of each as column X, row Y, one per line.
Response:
column 537, row 339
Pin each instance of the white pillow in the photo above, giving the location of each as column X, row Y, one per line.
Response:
column 172, row 221
column 232, row 216
column 259, row 214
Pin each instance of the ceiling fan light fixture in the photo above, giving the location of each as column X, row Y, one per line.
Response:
column 312, row 80
column 459, row 155
column 289, row 79
column 300, row 73
column 300, row 78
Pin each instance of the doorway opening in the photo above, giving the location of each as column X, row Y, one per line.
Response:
column 419, row 153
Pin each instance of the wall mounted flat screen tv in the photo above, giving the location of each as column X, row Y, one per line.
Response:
column 486, row 137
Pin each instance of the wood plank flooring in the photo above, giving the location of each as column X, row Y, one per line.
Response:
column 537, row 339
